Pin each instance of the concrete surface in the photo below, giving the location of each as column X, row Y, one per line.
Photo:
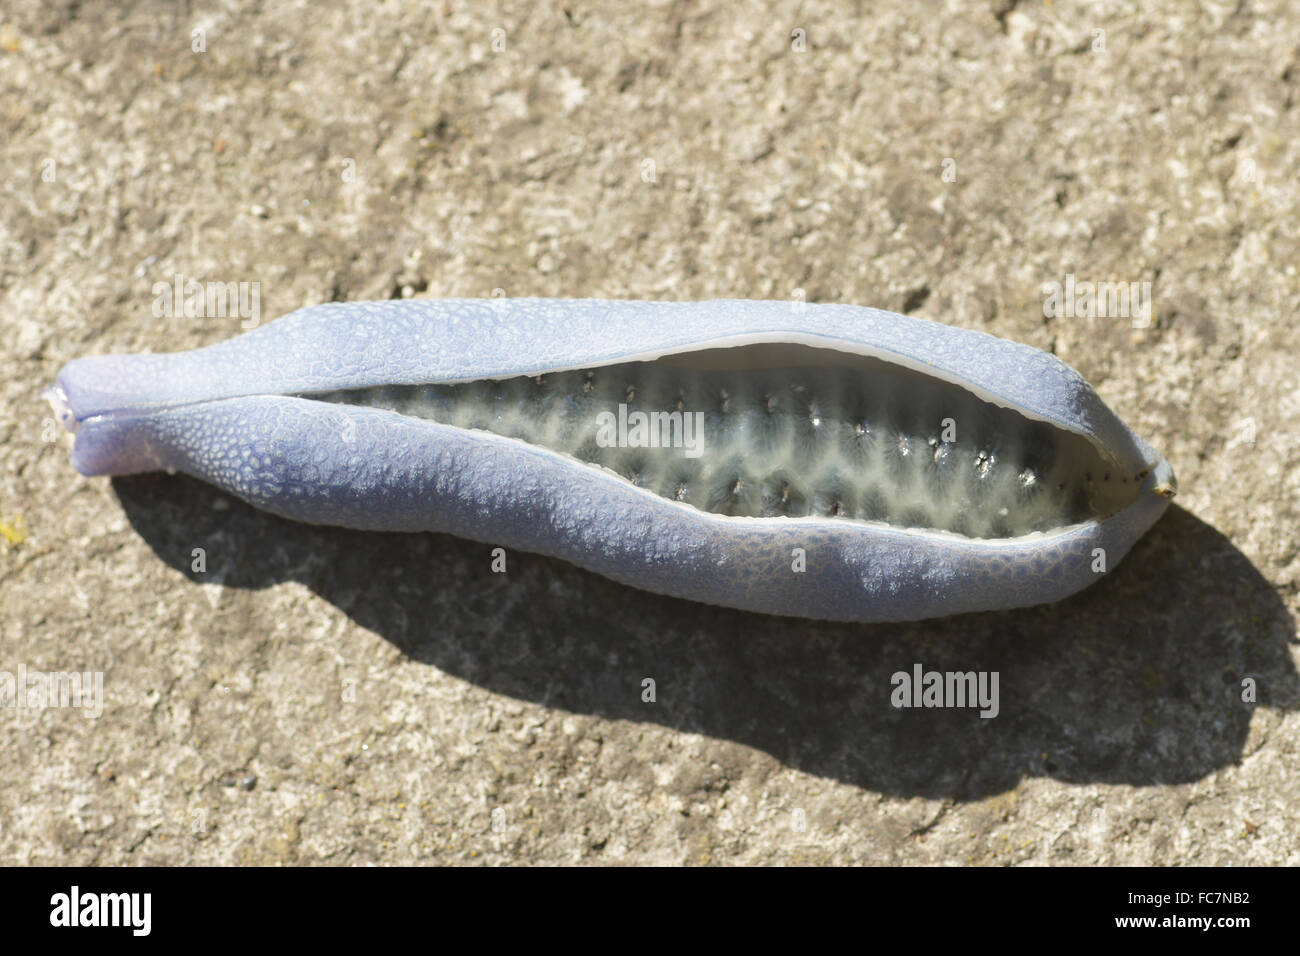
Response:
column 322, row 696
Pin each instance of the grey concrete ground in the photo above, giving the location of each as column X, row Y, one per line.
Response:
column 324, row 696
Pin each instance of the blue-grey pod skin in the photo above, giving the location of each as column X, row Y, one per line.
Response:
column 226, row 414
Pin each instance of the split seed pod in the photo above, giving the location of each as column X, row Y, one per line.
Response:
column 824, row 461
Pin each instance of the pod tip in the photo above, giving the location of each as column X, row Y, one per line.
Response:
column 58, row 400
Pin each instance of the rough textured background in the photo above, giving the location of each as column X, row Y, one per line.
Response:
column 325, row 696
